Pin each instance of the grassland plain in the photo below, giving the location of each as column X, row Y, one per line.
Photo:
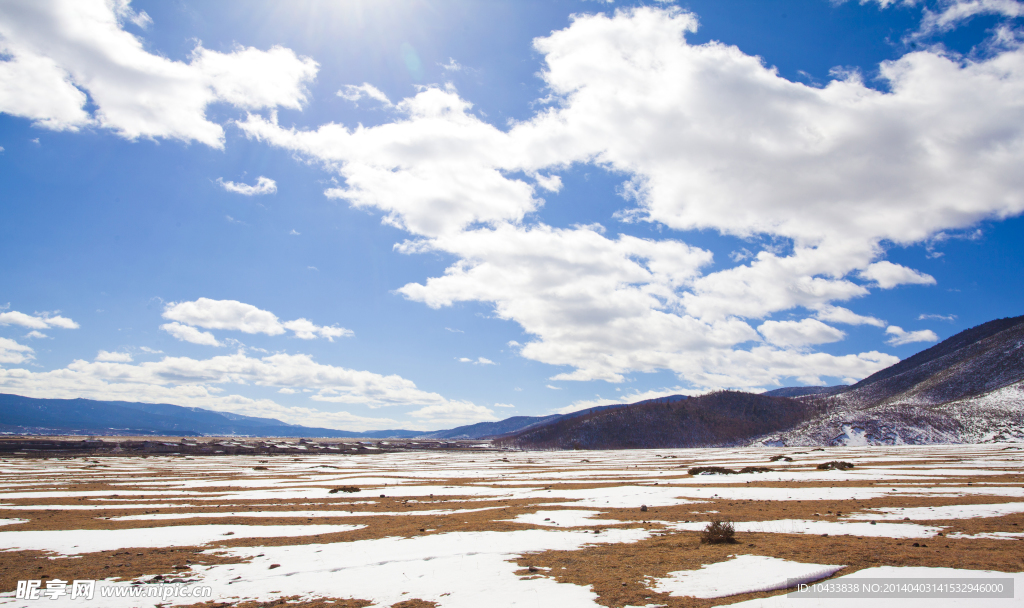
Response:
column 487, row 528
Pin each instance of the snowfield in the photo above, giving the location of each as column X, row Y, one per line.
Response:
column 488, row 528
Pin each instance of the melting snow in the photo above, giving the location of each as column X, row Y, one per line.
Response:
column 74, row 542
column 945, row 512
column 569, row 519
column 742, row 574
column 890, row 572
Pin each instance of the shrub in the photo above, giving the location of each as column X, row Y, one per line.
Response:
column 780, row 457
column 841, row 465
column 711, row 471
column 756, row 470
column 718, row 533
column 348, row 489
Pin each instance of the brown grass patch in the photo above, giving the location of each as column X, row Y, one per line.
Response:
column 122, row 564
column 618, row 572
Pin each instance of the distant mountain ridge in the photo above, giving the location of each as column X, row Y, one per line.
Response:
column 716, row 419
column 483, row 430
column 85, row 416
column 968, row 388
column 21, row 415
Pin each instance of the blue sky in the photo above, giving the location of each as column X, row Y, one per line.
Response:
column 374, row 214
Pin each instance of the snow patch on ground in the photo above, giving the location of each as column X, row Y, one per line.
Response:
column 890, row 572
column 567, row 519
column 741, row 574
column 306, row 514
column 75, row 542
column 991, row 535
column 455, row 570
column 936, row 513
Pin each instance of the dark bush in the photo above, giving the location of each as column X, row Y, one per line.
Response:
column 756, row 470
column 841, row 465
column 718, row 533
column 348, row 489
column 780, row 457
column 711, row 471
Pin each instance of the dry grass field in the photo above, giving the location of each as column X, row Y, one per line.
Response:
column 484, row 528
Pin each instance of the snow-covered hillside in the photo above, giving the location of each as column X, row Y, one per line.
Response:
column 968, row 389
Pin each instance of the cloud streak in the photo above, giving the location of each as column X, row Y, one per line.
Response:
column 36, row 321
column 233, row 315
column 264, row 185
column 901, row 336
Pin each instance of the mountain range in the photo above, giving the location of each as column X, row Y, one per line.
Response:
column 966, row 389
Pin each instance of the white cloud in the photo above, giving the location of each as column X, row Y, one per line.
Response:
column 224, row 314
column 954, row 12
column 113, row 357
column 710, row 138
column 503, row 405
column 451, row 66
column 477, row 361
column 37, row 321
column 186, row 333
column 36, row 334
column 437, row 172
column 888, row 275
column 454, row 413
column 799, row 334
column 354, row 93
column 237, row 316
column 150, row 351
column 264, row 185
column 60, row 49
column 924, row 317
column 294, row 232
column 900, row 336
column 554, row 388
column 306, row 330
column 123, row 10
column 581, row 293
column 12, row 352
column 551, row 183
column 838, row 314
column 740, row 254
